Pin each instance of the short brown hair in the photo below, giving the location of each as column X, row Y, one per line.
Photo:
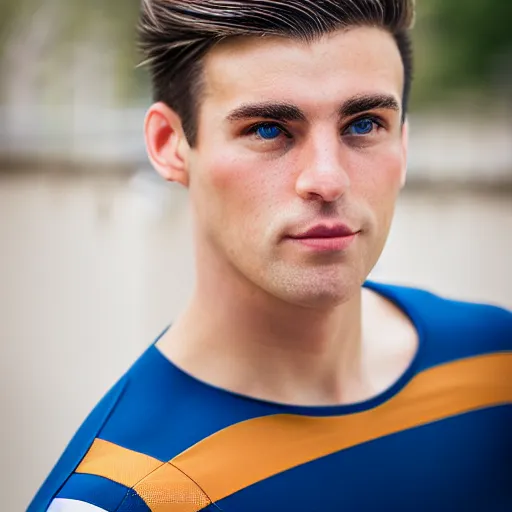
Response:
column 175, row 35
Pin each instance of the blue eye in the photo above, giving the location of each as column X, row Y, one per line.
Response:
column 361, row 127
column 268, row 131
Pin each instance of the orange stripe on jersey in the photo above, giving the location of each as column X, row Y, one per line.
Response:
column 169, row 490
column 162, row 486
column 251, row 451
column 111, row 461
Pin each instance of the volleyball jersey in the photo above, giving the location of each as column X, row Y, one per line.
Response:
column 439, row 439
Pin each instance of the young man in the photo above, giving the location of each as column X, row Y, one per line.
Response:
column 289, row 383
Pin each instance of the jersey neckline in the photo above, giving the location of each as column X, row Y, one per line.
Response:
column 388, row 292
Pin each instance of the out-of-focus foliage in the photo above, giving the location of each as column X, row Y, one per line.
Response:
column 74, row 18
column 462, row 47
column 7, row 11
column 108, row 24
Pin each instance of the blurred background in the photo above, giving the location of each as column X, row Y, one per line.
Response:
column 96, row 255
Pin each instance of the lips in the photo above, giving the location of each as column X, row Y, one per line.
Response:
column 325, row 231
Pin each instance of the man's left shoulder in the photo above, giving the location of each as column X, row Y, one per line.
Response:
column 489, row 323
column 454, row 322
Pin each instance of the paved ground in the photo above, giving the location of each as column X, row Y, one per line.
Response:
column 91, row 268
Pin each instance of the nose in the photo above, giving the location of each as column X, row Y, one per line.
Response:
column 322, row 173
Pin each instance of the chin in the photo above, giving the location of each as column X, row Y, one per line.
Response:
column 320, row 293
column 319, row 302
column 325, row 299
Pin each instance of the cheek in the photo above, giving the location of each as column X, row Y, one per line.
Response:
column 377, row 176
column 233, row 193
column 376, row 182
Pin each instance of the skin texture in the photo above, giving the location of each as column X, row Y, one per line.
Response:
column 279, row 320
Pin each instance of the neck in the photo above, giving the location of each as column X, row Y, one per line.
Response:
column 251, row 342
column 238, row 337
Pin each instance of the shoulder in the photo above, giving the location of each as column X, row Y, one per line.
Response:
column 469, row 320
column 63, row 476
column 77, row 448
column 449, row 314
column 452, row 329
column 118, row 457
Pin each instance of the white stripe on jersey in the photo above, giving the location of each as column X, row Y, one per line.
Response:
column 61, row 505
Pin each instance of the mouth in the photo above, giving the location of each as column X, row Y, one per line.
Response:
column 326, row 238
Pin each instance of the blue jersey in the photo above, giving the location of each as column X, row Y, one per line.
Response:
column 439, row 439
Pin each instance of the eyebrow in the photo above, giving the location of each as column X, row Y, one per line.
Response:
column 289, row 112
column 277, row 111
column 364, row 103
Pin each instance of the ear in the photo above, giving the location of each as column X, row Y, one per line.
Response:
column 405, row 151
column 166, row 144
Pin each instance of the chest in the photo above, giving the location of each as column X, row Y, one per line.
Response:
column 459, row 463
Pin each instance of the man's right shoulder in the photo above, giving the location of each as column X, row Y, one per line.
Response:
column 76, row 450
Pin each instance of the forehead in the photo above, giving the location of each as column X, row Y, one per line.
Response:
column 316, row 75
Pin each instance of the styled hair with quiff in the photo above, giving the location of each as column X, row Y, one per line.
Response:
column 175, row 35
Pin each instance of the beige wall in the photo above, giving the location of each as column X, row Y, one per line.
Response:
column 92, row 268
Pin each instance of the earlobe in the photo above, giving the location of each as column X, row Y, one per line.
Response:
column 166, row 143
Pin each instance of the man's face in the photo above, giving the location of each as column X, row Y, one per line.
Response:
column 295, row 136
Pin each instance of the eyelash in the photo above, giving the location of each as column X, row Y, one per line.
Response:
column 374, row 119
